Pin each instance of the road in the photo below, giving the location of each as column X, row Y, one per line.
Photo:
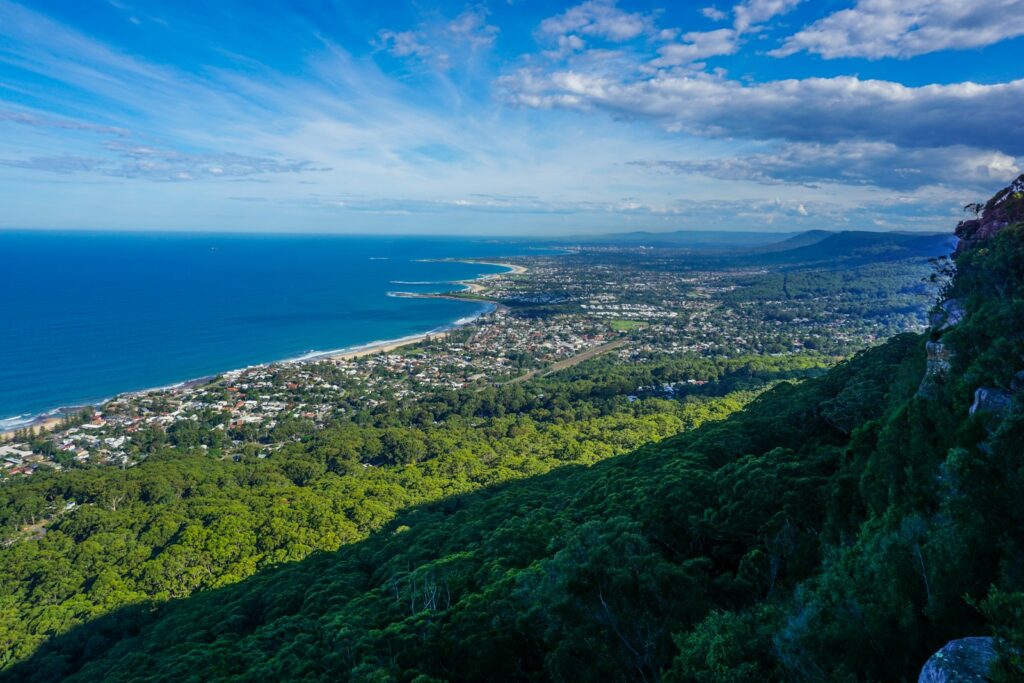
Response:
column 569, row 362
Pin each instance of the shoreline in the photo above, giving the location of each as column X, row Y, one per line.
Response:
column 387, row 345
column 472, row 285
column 45, row 422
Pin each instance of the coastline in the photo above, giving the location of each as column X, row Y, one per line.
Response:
column 473, row 284
column 45, row 422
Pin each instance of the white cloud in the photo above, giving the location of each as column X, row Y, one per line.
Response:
column 904, row 28
column 130, row 160
column 823, row 110
column 398, row 143
column 38, row 121
column 876, row 164
column 405, row 43
column 906, row 212
column 565, row 46
column 471, row 28
column 752, row 12
column 598, row 18
column 486, row 203
column 698, row 45
column 469, row 32
column 713, row 13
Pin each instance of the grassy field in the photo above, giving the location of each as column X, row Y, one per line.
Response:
column 627, row 325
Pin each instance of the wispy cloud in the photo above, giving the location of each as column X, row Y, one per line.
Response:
column 151, row 163
column 496, row 117
column 877, row 164
column 38, row 121
column 441, row 43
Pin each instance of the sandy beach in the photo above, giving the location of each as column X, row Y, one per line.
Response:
column 474, row 285
column 513, row 268
column 35, row 427
column 387, row 347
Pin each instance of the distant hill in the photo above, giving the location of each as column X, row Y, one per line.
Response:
column 799, row 240
column 784, row 247
column 851, row 248
column 711, row 240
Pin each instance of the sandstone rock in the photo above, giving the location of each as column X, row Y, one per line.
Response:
column 939, row 358
column 936, row 367
column 990, row 400
column 1003, row 209
column 947, row 314
column 966, row 660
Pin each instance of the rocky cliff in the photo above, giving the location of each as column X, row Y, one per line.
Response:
column 1005, row 208
column 971, row 658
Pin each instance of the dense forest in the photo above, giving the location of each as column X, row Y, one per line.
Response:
column 841, row 527
column 187, row 520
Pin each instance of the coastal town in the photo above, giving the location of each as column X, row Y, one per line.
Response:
column 546, row 314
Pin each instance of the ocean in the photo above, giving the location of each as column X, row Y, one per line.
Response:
column 86, row 316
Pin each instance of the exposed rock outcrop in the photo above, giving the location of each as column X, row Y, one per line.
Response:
column 1017, row 383
column 946, row 315
column 966, row 660
column 937, row 366
column 990, row 400
column 1006, row 207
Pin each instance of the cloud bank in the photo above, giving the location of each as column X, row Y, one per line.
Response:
column 905, row 28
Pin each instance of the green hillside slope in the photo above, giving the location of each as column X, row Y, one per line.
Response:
column 840, row 529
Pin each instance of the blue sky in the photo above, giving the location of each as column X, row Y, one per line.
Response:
column 506, row 117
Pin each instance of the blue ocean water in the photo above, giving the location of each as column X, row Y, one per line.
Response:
column 85, row 316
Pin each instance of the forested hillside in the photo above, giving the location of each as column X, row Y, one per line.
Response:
column 80, row 543
column 843, row 528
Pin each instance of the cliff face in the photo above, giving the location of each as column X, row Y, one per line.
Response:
column 1005, row 208
column 976, row 343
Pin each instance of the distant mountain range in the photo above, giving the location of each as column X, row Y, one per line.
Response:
column 684, row 239
column 782, row 248
column 850, row 247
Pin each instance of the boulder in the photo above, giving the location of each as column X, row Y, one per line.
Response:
column 966, row 660
column 990, row 400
